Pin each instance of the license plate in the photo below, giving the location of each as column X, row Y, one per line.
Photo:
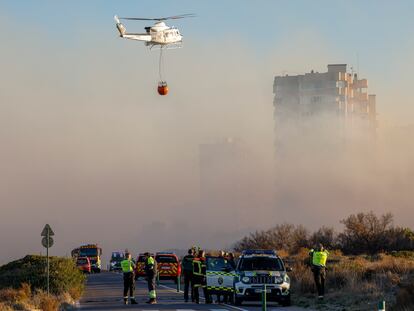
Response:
column 259, row 290
column 165, row 268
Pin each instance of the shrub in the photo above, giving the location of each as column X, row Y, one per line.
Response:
column 46, row 302
column 64, row 275
column 284, row 236
column 325, row 235
column 4, row 307
column 365, row 233
column 405, row 295
column 403, row 254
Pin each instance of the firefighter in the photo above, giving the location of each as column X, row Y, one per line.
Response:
column 199, row 277
column 317, row 258
column 151, row 275
column 187, row 265
column 128, row 268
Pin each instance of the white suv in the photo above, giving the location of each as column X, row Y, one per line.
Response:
column 259, row 269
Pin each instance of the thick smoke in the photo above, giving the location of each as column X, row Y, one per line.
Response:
column 89, row 147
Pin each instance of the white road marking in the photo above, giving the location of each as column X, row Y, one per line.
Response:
column 172, row 289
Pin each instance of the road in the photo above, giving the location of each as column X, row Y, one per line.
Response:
column 104, row 292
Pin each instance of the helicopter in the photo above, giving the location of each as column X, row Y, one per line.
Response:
column 159, row 35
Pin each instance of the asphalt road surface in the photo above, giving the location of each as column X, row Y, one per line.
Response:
column 104, row 292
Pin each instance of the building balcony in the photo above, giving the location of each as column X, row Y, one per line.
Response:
column 360, row 84
column 360, row 96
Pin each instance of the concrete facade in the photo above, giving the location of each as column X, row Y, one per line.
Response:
column 313, row 101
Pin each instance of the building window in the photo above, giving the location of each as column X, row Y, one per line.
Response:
column 316, row 99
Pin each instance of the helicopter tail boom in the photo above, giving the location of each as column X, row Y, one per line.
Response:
column 132, row 36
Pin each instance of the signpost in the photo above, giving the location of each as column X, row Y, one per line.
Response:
column 47, row 241
column 264, row 302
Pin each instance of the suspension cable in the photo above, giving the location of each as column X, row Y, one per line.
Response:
column 160, row 65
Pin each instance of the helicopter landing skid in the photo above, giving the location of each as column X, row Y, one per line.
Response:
column 171, row 46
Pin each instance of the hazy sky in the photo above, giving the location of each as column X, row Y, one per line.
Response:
column 88, row 145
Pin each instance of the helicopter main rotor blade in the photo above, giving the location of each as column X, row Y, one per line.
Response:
column 180, row 16
column 158, row 19
column 139, row 19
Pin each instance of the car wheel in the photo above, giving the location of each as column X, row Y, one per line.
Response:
column 237, row 301
column 286, row 302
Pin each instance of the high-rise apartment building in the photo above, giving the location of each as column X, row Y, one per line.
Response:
column 316, row 104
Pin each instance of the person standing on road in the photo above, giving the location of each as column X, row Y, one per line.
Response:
column 317, row 258
column 128, row 268
column 199, row 277
column 151, row 274
column 187, row 265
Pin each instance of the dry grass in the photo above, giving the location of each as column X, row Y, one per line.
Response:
column 24, row 299
column 46, row 302
column 4, row 307
column 355, row 283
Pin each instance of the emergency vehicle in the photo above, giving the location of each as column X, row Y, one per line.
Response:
column 84, row 264
column 140, row 266
column 93, row 252
column 220, row 276
column 258, row 270
column 115, row 262
column 168, row 266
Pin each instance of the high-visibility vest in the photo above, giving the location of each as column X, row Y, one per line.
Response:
column 319, row 258
column 150, row 266
column 199, row 267
column 127, row 266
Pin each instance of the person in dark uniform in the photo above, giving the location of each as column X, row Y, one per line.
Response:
column 128, row 268
column 231, row 260
column 187, row 265
column 151, row 275
column 199, row 277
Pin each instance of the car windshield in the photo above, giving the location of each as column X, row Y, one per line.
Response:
column 217, row 264
column 166, row 259
column 88, row 252
column 260, row 263
column 117, row 256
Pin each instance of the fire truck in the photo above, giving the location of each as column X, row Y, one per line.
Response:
column 91, row 251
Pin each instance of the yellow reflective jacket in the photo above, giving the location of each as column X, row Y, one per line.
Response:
column 319, row 258
column 127, row 266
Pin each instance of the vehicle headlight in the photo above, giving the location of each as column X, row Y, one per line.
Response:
column 245, row 279
column 286, row 279
column 113, row 264
column 278, row 280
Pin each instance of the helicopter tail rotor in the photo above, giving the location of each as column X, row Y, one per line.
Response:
column 121, row 28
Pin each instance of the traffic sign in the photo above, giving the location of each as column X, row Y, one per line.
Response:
column 45, row 242
column 47, row 231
